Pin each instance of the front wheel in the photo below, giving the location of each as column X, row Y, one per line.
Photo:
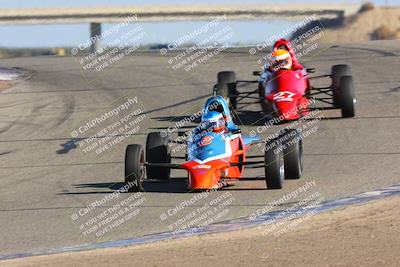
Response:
column 347, row 98
column 274, row 164
column 226, row 87
column 134, row 167
column 292, row 153
column 337, row 72
column 157, row 151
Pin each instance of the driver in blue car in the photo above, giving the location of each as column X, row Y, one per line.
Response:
column 219, row 105
column 214, row 121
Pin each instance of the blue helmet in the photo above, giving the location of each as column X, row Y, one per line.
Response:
column 214, row 121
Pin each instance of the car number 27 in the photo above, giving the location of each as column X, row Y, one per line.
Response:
column 283, row 96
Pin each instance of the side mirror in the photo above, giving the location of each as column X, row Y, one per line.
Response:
column 310, row 70
column 256, row 73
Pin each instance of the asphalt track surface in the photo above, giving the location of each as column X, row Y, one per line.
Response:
column 46, row 177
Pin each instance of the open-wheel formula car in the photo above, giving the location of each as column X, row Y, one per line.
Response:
column 292, row 92
column 213, row 158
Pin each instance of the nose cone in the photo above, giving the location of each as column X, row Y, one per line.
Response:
column 204, row 176
column 202, row 179
column 287, row 110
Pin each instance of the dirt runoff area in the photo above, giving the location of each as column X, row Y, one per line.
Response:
column 361, row 235
column 5, row 85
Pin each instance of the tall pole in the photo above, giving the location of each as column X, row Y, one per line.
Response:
column 95, row 36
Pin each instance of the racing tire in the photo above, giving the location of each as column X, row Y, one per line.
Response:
column 274, row 164
column 157, row 151
column 347, row 97
column 233, row 98
column 337, row 72
column 134, row 167
column 226, row 87
column 292, row 153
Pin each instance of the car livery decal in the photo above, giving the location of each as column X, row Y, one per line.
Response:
column 283, row 96
column 201, row 166
column 206, row 140
column 226, row 154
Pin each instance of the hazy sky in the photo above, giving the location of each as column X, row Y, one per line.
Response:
column 48, row 3
column 248, row 32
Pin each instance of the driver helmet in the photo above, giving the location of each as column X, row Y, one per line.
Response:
column 283, row 47
column 214, row 121
column 281, row 59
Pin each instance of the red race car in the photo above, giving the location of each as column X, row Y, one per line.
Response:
column 284, row 89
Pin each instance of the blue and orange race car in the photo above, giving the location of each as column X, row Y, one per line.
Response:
column 216, row 152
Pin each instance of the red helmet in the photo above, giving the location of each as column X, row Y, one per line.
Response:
column 285, row 44
column 281, row 59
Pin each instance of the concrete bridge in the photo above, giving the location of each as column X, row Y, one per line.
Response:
column 97, row 15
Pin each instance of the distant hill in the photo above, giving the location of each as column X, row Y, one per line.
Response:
column 370, row 23
column 378, row 23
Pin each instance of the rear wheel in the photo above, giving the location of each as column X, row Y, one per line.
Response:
column 157, row 151
column 226, row 87
column 134, row 167
column 233, row 99
column 338, row 71
column 347, row 98
column 274, row 165
column 292, row 153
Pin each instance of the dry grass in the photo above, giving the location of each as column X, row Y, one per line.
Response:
column 376, row 24
column 383, row 33
column 366, row 7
